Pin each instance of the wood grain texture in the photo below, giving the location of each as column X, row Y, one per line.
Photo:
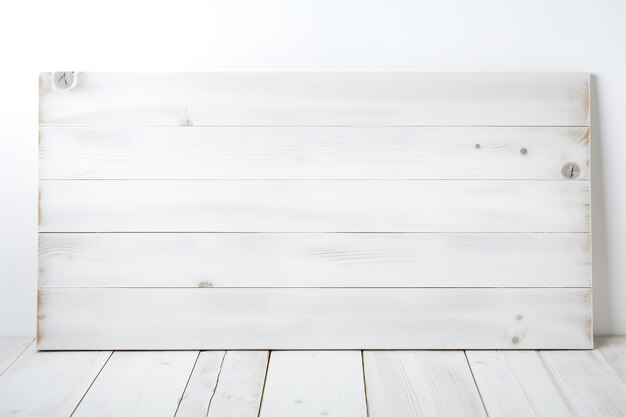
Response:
column 139, row 384
column 614, row 350
column 589, row 384
column 319, row 98
column 338, row 318
column 420, row 384
column 516, row 384
column 311, row 153
column 314, row 206
column 201, row 386
column 48, row 384
column 312, row 383
column 225, row 384
column 10, row 349
column 241, row 383
column 314, row 260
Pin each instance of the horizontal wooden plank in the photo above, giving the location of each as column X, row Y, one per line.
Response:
column 314, row 206
column 369, row 318
column 314, row 260
column 318, row 98
column 312, row 153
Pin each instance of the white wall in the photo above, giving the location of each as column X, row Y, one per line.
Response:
column 446, row 35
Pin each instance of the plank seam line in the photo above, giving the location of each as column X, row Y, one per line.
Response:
column 556, row 385
column 118, row 125
column 567, row 180
column 480, row 395
column 311, row 288
column 217, row 382
column 18, row 356
column 304, row 233
column 180, row 399
column 267, row 368
column 367, row 405
column 91, row 384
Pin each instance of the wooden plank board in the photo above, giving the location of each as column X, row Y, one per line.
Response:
column 589, row 384
column 314, row 206
column 225, row 384
column 311, row 153
column 318, row 318
column 314, row 260
column 201, row 385
column 516, row 384
column 10, row 349
column 139, row 384
column 48, row 384
column 420, row 384
column 309, row 383
column 318, row 98
column 614, row 350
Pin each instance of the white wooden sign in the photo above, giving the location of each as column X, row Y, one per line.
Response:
column 314, row 210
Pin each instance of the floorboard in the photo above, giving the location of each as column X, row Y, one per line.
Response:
column 420, row 384
column 225, row 384
column 516, row 384
column 11, row 349
column 48, row 384
column 483, row 383
column 139, row 384
column 588, row 382
column 314, row 383
column 614, row 350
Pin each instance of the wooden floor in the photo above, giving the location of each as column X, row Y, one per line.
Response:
column 313, row 383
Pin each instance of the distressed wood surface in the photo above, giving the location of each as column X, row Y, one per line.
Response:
column 314, row 260
column 420, row 384
column 319, row 98
column 311, row 153
column 201, row 385
column 614, row 350
column 314, row 206
column 310, row 383
column 147, row 384
column 588, row 382
column 225, row 384
column 10, row 349
column 336, row 318
column 516, row 384
column 49, row 384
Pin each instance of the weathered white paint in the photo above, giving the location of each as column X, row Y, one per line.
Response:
column 588, row 383
column 315, row 318
column 311, row 153
column 431, row 179
column 614, row 350
column 319, row 98
column 241, row 383
column 10, row 349
column 314, row 206
column 314, row 260
column 420, row 384
column 310, row 383
column 225, row 384
column 516, row 384
column 49, row 384
column 133, row 384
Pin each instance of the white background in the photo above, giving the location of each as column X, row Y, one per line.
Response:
column 434, row 35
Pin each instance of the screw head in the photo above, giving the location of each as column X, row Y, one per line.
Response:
column 64, row 81
column 571, row 170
